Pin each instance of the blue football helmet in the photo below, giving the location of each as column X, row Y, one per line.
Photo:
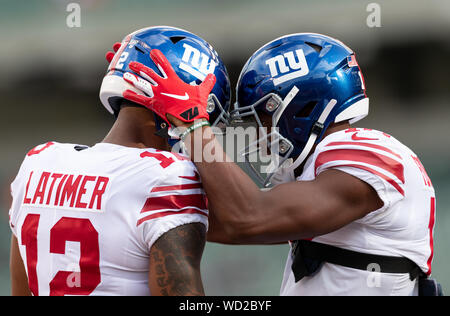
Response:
column 191, row 57
column 303, row 82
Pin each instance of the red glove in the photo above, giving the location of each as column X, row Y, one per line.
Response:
column 168, row 94
column 110, row 55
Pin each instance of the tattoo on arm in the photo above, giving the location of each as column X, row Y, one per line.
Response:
column 175, row 261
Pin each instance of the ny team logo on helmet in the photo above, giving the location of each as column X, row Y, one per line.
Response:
column 304, row 82
column 294, row 68
column 191, row 57
column 191, row 63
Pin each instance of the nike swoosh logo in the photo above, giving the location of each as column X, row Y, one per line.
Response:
column 356, row 137
column 176, row 96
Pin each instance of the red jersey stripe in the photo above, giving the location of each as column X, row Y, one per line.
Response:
column 168, row 213
column 195, row 177
column 178, row 187
column 368, row 157
column 174, row 202
column 365, row 145
column 35, row 151
column 386, row 178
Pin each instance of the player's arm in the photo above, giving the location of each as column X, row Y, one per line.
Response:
column 19, row 279
column 175, row 261
column 241, row 213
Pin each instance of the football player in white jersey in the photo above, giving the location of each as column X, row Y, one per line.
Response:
column 125, row 216
column 355, row 204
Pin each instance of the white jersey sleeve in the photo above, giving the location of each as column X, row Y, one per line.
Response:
column 404, row 225
column 177, row 199
column 364, row 154
column 21, row 183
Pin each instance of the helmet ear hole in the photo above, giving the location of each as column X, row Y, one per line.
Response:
column 274, row 46
column 306, row 110
column 316, row 47
column 176, row 39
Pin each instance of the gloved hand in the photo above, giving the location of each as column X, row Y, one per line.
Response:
column 283, row 174
column 110, row 55
column 168, row 94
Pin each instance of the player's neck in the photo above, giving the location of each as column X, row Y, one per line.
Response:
column 336, row 127
column 333, row 128
column 135, row 127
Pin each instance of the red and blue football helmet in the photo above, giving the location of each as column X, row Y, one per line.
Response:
column 304, row 82
column 191, row 57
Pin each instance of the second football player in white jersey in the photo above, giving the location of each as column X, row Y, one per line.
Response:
column 108, row 219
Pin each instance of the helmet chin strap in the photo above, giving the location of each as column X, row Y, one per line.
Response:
column 315, row 132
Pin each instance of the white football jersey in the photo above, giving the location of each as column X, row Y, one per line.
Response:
column 403, row 227
column 86, row 219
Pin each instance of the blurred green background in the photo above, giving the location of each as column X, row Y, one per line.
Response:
column 51, row 74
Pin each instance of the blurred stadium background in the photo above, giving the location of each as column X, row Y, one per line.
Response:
column 50, row 76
